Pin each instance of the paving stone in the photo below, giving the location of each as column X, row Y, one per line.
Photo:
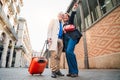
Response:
column 84, row 74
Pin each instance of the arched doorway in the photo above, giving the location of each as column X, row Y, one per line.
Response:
column 8, row 53
column 13, row 58
column 2, row 39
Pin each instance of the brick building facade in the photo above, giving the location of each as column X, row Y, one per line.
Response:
column 102, row 37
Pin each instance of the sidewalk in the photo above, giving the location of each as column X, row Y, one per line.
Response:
column 90, row 74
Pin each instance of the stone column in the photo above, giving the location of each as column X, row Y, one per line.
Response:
column 86, row 61
column 23, row 60
column 11, row 55
column 4, row 53
column 19, row 43
column 18, row 58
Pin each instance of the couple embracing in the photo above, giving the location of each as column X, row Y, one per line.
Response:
column 58, row 37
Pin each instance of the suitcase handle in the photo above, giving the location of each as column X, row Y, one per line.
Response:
column 45, row 45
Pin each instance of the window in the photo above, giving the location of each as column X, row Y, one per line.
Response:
column 87, row 15
column 115, row 2
column 94, row 9
column 105, row 5
column 78, row 19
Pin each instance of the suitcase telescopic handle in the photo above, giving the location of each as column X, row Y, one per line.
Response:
column 44, row 46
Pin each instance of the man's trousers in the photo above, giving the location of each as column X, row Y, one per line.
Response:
column 55, row 56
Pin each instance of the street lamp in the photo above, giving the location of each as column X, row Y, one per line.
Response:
column 86, row 62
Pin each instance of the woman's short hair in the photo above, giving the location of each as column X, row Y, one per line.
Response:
column 67, row 14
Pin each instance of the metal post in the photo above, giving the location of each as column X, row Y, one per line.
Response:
column 86, row 62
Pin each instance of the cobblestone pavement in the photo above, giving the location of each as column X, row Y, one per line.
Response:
column 91, row 74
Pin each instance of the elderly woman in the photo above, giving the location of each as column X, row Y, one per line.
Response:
column 70, row 39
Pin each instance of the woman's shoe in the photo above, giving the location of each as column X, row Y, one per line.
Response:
column 74, row 75
column 68, row 75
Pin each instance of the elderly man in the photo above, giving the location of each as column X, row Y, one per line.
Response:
column 55, row 42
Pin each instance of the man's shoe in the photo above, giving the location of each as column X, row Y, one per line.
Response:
column 59, row 73
column 53, row 75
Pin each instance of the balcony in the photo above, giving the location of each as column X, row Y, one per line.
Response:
column 11, row 9
column 21, row 47
column 15, row 19
column 8, row 25
column 21, row 2
column 18, row 9
column 7, row 0
column 14, row 0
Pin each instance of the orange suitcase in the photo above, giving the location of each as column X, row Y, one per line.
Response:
column 37, row 65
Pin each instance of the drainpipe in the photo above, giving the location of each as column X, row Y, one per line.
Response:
column 86, row 62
